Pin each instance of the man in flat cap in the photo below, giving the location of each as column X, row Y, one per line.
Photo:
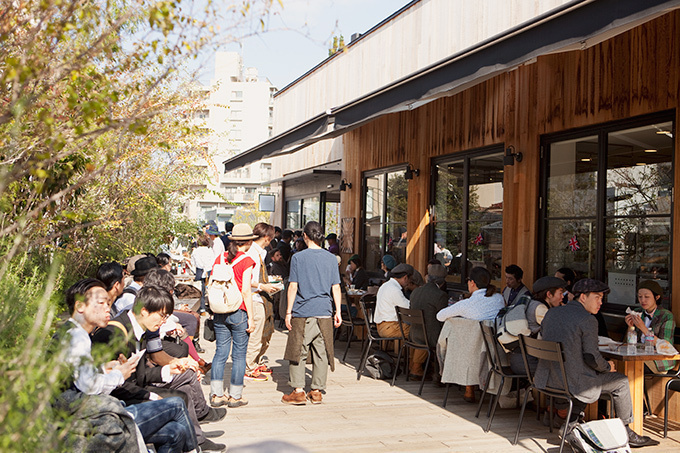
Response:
column 588, row 373
column 391, row 295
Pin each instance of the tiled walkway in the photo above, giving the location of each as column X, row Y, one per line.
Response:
column 369, row 415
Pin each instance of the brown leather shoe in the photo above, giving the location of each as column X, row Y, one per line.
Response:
column 296, row 398
column 315, row 396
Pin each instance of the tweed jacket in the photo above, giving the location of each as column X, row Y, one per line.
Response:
column 296, row 338
column 576, row 329
column 430, row 299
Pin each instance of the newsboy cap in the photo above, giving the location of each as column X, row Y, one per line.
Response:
column 544, row 283
column 589, row 285
column 401, row 270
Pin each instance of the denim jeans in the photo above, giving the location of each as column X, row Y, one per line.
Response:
column 165, row 423
column 229, row 328
column 202, row 307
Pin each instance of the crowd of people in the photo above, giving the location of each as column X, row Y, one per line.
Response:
column 558, row 308
column 151, row 343
column 152, row 371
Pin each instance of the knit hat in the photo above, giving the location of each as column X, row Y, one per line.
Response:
column 389, row 262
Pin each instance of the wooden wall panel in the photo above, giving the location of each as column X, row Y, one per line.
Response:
column 631, row 74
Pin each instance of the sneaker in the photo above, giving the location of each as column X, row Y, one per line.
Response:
column 213, row 415
column 208, row 446
column 315, row 396
column 233, row 402
column 296, row 398
column 217, row 401
column 262, row 369
column 255, row 376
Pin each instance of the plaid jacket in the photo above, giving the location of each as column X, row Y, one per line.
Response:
column 663, row 326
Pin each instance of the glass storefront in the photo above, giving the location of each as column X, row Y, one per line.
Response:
column 608, row 205
column 299, row 212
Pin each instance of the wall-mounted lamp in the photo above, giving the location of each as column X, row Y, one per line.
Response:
column 344, row 185
column 511, row 156
column 410, row 171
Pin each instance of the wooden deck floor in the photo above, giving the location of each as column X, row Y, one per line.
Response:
column 369, row 415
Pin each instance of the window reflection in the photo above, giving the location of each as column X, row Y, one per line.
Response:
column 468, row 220
column 613, row 225
column 386, row 213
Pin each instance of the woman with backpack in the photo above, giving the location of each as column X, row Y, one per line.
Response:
column 548, row 292
column 233, row 327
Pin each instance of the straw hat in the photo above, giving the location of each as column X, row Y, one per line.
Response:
column 242, row 232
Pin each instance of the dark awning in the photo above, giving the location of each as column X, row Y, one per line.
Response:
column 575, row 25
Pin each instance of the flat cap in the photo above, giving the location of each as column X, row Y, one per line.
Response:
column 402, row 269
column 589, row 285
column 544, row 283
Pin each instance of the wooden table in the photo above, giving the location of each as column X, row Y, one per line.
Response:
column 633, row 366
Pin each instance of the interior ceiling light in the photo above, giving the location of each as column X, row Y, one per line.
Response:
column 641, row 164
column 650, row 150
column 586, row 159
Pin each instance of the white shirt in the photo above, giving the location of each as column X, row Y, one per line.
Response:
column 258, row 254
column 86, row 377
column 389, row 296
column 217, row 248
column 203, row 258
column 126, row 300
column 477, row 307
column 139, row 331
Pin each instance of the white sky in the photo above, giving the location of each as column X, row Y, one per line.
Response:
column 301, row 33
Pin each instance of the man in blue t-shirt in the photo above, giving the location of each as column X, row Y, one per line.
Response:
column 313, row 291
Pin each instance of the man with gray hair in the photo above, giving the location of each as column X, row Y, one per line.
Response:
column 430, row 298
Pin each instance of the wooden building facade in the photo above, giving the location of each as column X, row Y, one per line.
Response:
column 626, row 83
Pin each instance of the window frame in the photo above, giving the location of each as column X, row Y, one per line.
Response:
column 466, row 157
column 602, row 132
column 364, row 191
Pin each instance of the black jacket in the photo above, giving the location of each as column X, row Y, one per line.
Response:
column 132, row 391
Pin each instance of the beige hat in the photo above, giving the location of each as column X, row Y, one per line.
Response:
column 242, row 232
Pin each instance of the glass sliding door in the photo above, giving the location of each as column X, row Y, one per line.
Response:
column 385, row 216
column 467, row 207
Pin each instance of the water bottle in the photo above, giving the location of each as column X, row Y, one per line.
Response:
column 649, row 344
column 631, row 339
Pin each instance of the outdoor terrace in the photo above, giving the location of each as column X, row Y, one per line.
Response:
column 369, row 415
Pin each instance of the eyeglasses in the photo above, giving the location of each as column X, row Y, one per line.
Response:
column 164, row 317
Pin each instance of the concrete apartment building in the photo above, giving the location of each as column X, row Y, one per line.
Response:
column 238, row 114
